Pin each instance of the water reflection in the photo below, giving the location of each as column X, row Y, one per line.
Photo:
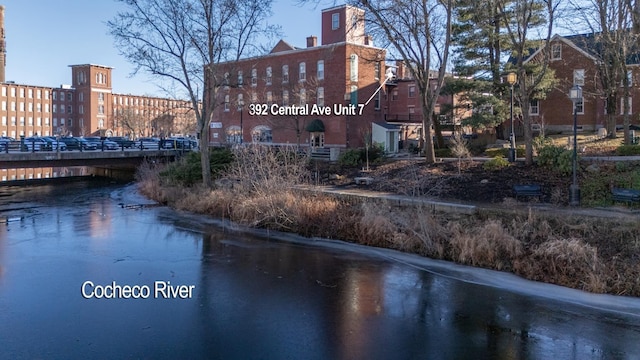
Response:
column 258, row 297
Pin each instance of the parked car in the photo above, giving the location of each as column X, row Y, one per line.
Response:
column 178, row 143
column 77, row 143
column 55, row 144
column 103, row 143
column 122, row 141
column 35, row 143
column 150, row 143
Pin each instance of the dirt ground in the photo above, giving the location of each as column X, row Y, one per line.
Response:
column 467, row 182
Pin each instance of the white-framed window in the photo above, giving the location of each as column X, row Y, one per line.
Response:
column 21, row 106
column 376, row 102
column 21, row 92
column 534, row 107
column 30, row 93
column 629, row 102
column 320, row 96
column 4, row 120
column 13, row 106
column 13, row 92
column 335, row 21
column 262, row 133
column 269, row 98
column 100, row 109
column 578, row 77
column 320, row 72
column 240, row 78
column 30, row 121
column 46, row 94
column 412, row 91
column 285, row 74
column 285, row 97
column 38, row 94
column 226, row 103
column 302, row 71
column 46, row 108
column 39, row 107
column 269, row 75
column 579, row 109
column 556, row 51
column 21, row 120
column 69, row 96
column 4, row 106
column 13, row 120
column 38, row 121
column 30, row 107
column 240, row 102
column 69, row 109
column 254, row 77
column 353, row 66
column 376, row 71
column 4, row 91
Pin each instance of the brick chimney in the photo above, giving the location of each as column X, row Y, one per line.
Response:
column 312, row 41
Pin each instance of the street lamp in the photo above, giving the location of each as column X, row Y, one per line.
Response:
column 575, row 94
column 241, row 108
column 512, row 78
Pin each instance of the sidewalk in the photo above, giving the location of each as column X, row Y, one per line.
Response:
column 614, row 212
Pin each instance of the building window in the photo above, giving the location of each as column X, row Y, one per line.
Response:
column 4, row 91
column 46, row 94
column 30, row 121
column 354, row 67
column 69, row 109
column 261, row 134
column 240, row 102
column 69, row 96
column 101, row 109
column 269, row 98
column 38, row 94
column 303, row 97
column 335, row 21
column 61, row 96
column 38, row 107
column 226, row 103
column 46, row 108
column 394, row 95
column 4, row 106
column 13, row 92
column 30, row 107
column 240, row 78
column 21, row 120
column 269, row 75
column 320, row 72
column 55, row 95
column 534, row 107
column 38, row 121
column 62, row 109
column 254, row 77
column 4, row 121
column 101, row 98
column 622, row 105
column 13, row 106
column 302, row 71
column 629, row 78
column 81, row 109
column 556, row 51
column 13, row 120
column 21, row 92
column 412, row 91
column 285, row 98
column 578, row 77
column 285, row 73
column 320, row 96
column 376, row 103
column 81, row 98
column 376, row 71
column 30, row 93
column 579, row 106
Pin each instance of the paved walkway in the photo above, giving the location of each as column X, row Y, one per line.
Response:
column 614, row 212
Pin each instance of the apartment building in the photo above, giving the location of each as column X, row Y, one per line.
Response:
column 575, row 62
column 320, row 96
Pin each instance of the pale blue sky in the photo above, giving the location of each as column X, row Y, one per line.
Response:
column 44, row 37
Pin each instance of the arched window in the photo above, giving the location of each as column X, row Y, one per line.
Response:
column 261, row 134
column 234, row 134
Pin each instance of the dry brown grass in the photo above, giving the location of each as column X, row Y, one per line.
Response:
column 567, row 252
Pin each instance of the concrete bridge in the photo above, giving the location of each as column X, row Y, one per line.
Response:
column 114, row 158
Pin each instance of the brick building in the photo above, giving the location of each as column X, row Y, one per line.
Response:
column 575, row 62
column 262, row 97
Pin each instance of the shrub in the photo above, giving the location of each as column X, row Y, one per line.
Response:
column 443, row 153
column 504, row 152
column 628, row 150
column 350, row 157
column 497, row 163
column 188, row 170
column 556, row 158
column 356, row 157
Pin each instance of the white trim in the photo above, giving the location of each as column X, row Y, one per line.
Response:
column 564, row 40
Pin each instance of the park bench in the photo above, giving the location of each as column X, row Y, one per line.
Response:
column 625, row 195
column 530, row 190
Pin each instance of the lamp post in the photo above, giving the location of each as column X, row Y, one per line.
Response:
column 512, row 78
column 575, row 94
column 241, row 108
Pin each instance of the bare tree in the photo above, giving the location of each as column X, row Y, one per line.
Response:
column 419, row 33
column 182, row 41
column 612, row 41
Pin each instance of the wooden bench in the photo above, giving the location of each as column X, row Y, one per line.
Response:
column 625, row 195
column 529, row 190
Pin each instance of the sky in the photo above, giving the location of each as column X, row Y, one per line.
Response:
column 44, row 37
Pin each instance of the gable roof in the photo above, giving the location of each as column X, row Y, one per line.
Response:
column 282, row 46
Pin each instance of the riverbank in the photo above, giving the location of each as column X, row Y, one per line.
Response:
column 594, row 254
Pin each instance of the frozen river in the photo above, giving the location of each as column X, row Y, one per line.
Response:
column 82, row 276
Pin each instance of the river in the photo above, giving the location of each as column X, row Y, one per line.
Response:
column 208, row 289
